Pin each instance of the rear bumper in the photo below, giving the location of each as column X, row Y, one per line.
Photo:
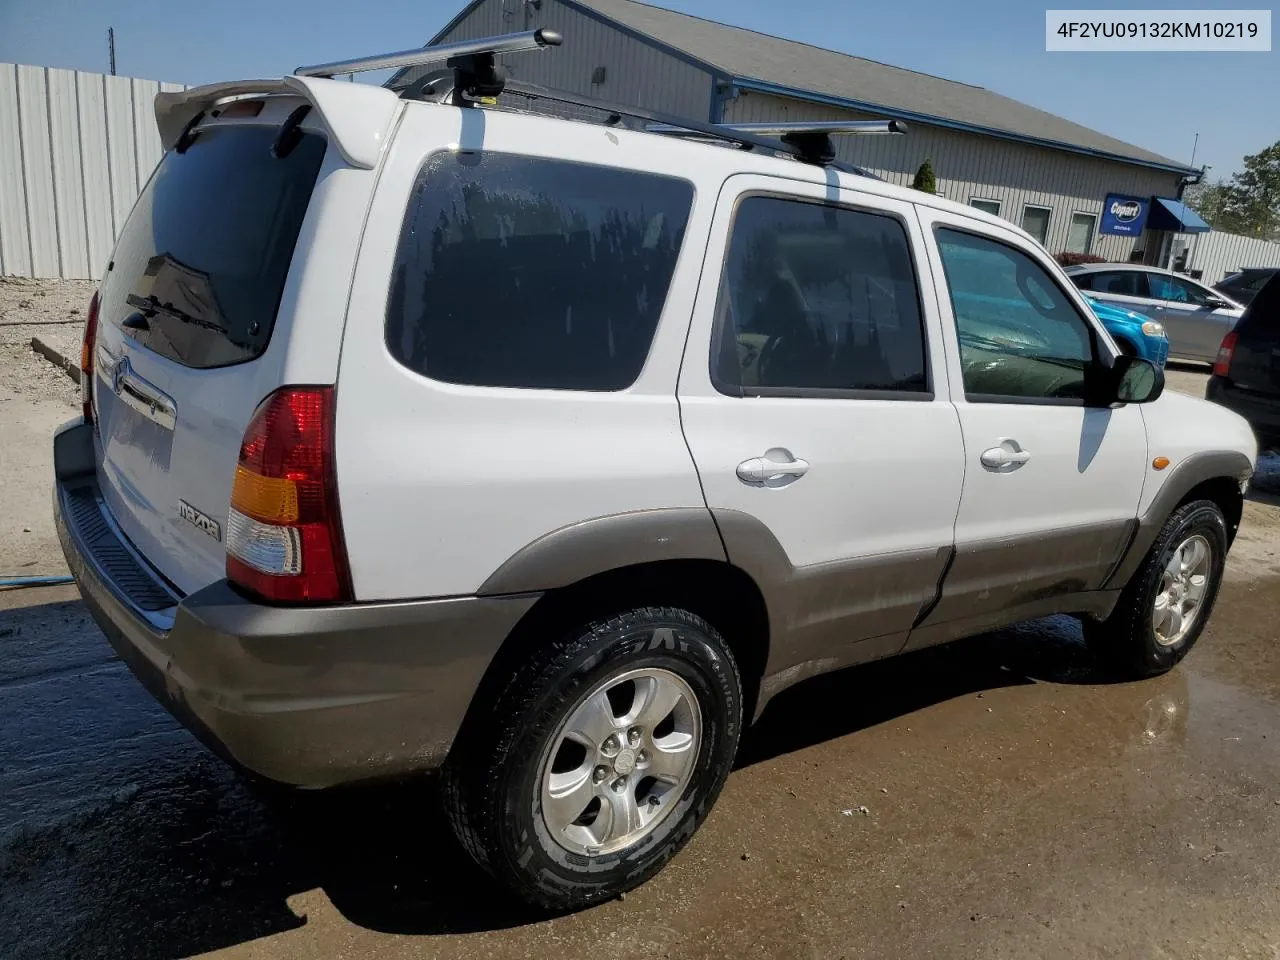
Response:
column 1262, row 412
column 311, row 697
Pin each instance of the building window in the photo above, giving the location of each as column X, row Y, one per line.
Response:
column 1035, row 220
column 986, row 206
column 1080, row 236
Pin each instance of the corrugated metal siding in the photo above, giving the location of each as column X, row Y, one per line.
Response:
column 75, row 150
column 635, row 72
column 969, row 166
column 1218, row 254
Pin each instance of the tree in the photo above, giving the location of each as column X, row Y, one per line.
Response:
column 924, row 178
column 1209, row 200
column 1253, row 197
column 1249, row 203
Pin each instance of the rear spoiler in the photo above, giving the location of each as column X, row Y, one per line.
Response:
column 359, row 116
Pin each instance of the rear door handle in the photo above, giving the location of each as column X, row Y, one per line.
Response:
column 1007, row 457
column 776, row 468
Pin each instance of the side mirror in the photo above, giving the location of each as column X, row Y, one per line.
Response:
column 1215, row 303
column 1135, row 380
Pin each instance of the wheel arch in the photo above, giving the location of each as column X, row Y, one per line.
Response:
column 722, row 594
column 1211, row 475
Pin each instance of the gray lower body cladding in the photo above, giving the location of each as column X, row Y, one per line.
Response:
column 305, row 696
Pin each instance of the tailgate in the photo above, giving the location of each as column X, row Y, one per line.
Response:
column 188, row 309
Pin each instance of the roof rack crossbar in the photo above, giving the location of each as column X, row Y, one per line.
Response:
column 441, row 53
column 833, row 128
column 691, row 129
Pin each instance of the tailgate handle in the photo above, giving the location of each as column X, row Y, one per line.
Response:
column 143, row 397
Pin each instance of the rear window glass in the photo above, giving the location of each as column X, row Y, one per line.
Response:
column 200, row 266
column 523, row 272
column 1262, row 316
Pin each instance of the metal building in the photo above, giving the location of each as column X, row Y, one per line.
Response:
column 1050, row 175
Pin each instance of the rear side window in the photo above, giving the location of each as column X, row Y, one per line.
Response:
column 818, row 298
column 200, row 266
column 524, row 272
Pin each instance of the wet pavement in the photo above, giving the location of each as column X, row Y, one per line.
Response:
column 997, row 797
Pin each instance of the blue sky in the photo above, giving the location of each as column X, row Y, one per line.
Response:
column 1155, row 100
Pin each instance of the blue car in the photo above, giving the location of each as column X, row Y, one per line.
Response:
column 1132, row 332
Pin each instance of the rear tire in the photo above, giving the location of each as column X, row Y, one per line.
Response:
column 577, row 731
column 1163, row 609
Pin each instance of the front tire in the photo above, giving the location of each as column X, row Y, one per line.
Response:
column 599, row 759
column 1164, row 608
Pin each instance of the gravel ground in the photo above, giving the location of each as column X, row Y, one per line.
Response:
column 52, row 310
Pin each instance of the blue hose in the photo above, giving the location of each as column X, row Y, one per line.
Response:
column 34, row 581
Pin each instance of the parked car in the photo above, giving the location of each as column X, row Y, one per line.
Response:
column 1244, row 285
column 1246, row 375
column 427, row 434
column 1134, row 334
column 1195, row 317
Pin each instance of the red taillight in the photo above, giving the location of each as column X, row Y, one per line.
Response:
column 87, row 345
column 284, row 533
column 1222, row 365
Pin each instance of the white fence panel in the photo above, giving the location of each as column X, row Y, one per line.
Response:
column 37, row 170
column 1219, row 254
column 15, row 235
column 68, row 183
column 75, row 150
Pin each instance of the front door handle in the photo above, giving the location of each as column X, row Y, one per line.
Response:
column 776, row 468
column 1007, row 457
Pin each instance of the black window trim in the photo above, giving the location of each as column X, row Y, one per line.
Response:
column 1105, row 362
column 737, row 391
column 657, row 328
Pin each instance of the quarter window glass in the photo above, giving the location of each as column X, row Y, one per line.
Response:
column 1020, row 336
column 521, row 272
column 818, row 297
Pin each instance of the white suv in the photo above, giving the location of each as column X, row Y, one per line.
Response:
column 429, row 435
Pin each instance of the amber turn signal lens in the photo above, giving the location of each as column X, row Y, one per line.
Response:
column 273, row 499
column 1160, row 462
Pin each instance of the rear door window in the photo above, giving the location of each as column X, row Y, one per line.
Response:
column 818, row 298
column 201, row 263
column 526, row 272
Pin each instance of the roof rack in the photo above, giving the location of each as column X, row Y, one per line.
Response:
column 812, row 138
column 472, row 76
column 805, row 141
column 439, row 53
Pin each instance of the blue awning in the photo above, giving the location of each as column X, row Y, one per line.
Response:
column 1168, row 214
